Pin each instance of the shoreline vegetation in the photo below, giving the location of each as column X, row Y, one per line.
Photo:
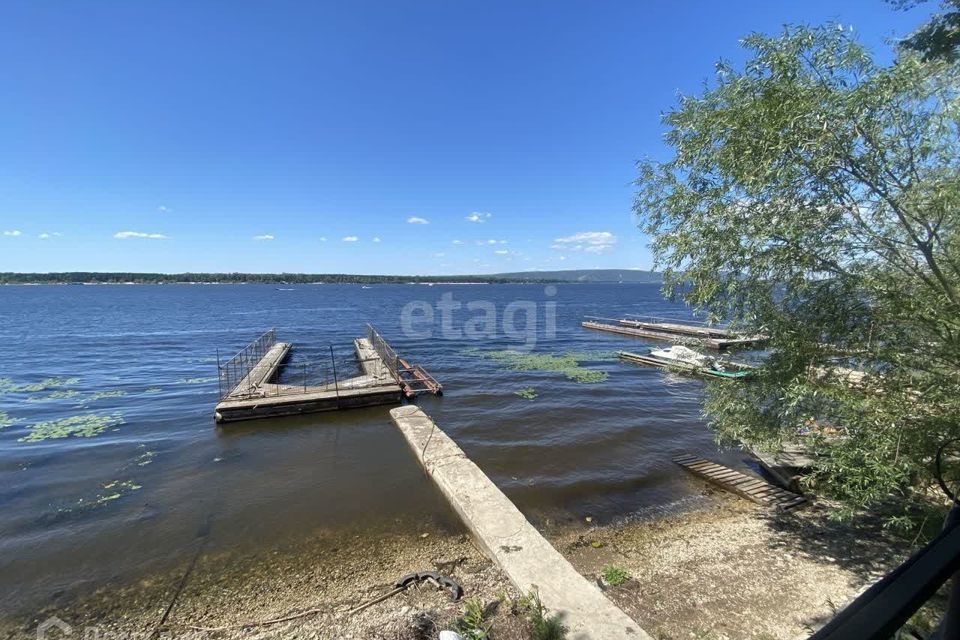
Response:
column 631, row 276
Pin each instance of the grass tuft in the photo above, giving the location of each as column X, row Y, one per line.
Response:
column 543, row 626
column 614, row 576
column 471, row 624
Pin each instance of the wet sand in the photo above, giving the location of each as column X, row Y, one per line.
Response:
column 726, row 570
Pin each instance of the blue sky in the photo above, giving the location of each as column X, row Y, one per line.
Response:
column 362, row 137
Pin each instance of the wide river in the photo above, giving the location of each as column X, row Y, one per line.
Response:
column 134, row 369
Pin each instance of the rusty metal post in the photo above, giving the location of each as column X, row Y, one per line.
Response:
column 336, row 385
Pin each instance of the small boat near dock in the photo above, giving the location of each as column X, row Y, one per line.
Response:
column 686, row 360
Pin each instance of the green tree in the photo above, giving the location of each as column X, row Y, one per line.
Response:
column 939, row 37
column 815, row 196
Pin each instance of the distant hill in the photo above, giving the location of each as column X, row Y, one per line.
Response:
column 632, row 276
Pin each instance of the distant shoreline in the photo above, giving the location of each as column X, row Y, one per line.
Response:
column 625, row 276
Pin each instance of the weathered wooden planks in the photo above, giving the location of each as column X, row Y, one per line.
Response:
column 674, row 327
column 664, row 333
column 262, row 372
column 256, row 397
column 750, row 487
column 385, row 379
column 314, row 400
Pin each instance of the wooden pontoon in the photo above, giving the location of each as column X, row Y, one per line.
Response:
column 677, row 333
column 249, row 388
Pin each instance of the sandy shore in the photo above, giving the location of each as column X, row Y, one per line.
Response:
column 729, row 570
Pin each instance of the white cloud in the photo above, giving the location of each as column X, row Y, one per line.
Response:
column 587, row 241
column 13, row 234
column 563, row 257
column 439, row 254
column 417, row 220
column 478, row 216
column 126, row 235
column 323, row 238
column 265, row 236
column 489, row 242
column 162, row 209
column 377, row 239
column 501, row 252
column 458, row 242
column 351, row 239
column 44, row 236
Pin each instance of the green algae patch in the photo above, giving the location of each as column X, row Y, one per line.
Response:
column 198, row 380
column 62, row 394
column 100, row 395
column 6, row 420
column 527, row 394
column 113, row 490
column 594, row 356
column 153, row 390
column 568, row 364
column 82, row 426
column 7, row 385
column 145, row 458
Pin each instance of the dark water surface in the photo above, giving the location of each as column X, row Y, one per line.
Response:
column 80, row 512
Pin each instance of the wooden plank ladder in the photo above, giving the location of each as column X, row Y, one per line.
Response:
column 750, row 487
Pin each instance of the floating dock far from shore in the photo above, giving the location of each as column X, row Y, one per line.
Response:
column 676, row 333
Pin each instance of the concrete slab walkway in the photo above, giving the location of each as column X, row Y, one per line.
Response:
column 509, row 539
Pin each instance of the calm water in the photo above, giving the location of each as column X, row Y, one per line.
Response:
column 79, row 512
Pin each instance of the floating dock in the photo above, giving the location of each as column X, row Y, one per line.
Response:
column 509, row 539
column 249, row 386
column 664, row 324
column 749, row 487
column 677, row 333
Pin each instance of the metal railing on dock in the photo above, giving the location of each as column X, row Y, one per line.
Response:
column 662, row 319
column 413, row 378
column 385, row 351
column 232, row 372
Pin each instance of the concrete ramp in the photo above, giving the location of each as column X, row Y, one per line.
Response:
column 509, row 539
